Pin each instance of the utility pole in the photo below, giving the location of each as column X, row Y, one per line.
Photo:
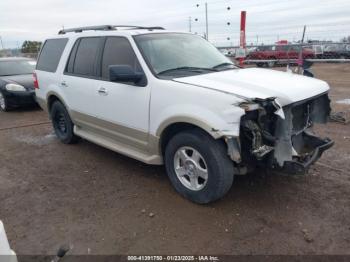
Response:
column 300, row 58
column 242, row 42
column 2, row 45
column 190, row 24
column 206, row 34
column 206, row 21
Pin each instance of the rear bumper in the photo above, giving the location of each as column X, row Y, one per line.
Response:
column 20, row 98
column 301, row 166
column 42, row 103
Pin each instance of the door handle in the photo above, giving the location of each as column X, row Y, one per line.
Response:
column 102, row 91
column 63, row 83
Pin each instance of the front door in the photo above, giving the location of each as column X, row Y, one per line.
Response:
column 124, row 105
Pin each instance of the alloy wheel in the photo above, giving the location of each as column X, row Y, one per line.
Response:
column 190, row 168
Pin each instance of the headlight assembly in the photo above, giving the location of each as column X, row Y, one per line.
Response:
column 15, row 87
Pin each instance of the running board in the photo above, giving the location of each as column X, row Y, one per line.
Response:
column 118, row 147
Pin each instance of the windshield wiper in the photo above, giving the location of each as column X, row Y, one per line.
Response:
column 187, row 68
column 223, row 65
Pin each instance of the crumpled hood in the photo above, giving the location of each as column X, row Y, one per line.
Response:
column 260, row 83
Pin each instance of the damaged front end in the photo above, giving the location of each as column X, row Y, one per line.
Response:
column 281, row 138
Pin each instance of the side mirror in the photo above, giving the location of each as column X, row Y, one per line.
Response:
column 124, row 73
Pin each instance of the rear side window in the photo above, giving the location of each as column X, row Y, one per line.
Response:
column 118, row 51
column 85, row 62
column 50, row 54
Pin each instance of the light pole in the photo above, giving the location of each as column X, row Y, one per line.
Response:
column 2, row 45
column 206, row 21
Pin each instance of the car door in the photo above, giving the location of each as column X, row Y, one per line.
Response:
column 122, row 107
column 80, row 79
column 111, row 110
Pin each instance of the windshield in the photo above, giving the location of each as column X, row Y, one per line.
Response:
column 19, row 67
column 174, row 54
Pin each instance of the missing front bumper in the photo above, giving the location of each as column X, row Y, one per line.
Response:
column 284, row 142
column 313, row 148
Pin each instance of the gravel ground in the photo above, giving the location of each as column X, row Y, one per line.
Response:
column 101, row 202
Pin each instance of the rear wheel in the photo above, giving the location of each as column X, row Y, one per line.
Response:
column 271, row 63
column 198, row 166
column 62, row 124
column 3, row 103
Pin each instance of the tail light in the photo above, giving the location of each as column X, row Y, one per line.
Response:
column 36, row 83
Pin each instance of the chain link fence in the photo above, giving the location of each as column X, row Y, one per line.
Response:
column 282, row 54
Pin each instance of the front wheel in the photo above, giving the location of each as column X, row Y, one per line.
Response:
column 62, row 124
column 3, row 103
column 198, row 166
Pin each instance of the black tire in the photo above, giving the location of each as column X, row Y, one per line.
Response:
column 271, row 64
column 62, row 124
column 219, row 165
column 4, row 106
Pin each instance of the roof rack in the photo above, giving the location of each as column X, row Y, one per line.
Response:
column 107, row 28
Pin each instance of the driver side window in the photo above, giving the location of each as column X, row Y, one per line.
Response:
column 118, row 51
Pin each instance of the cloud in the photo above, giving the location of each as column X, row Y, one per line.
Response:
column 267, row 20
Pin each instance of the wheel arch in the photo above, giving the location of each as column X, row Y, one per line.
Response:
column 173, row 126
column 51, row 98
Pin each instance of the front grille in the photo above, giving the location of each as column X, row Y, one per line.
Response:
column 308, row 112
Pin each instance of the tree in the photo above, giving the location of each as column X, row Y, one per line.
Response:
column 345, row 39
column 31, row 46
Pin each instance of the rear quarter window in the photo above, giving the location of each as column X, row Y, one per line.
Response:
column 50, row 54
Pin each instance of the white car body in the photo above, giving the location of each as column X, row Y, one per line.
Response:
column 132, row 120
column 6, row 253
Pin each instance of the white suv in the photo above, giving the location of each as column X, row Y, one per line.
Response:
column 172, row 98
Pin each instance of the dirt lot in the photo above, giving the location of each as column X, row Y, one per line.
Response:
column 100, row 201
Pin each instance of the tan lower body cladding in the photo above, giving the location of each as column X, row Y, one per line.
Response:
column 128, row 141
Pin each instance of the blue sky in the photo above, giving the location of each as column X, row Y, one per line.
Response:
column 267, row 20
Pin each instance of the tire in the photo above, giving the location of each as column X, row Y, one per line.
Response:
column 214, row 160
column 3, row 103
column 271, row 64
column 62, row 124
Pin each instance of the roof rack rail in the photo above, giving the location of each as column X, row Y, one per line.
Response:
column 86, row 28
column 106, row 28
column 141, row 27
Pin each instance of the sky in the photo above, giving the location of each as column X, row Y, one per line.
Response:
column 267, row 20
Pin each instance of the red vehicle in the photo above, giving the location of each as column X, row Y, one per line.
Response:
column 278, row 52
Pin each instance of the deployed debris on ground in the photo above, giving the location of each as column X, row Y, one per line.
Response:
column 341, row 117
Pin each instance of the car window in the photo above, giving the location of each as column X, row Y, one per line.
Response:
column 70, row 64
column 285, row 48
column 118, row 51
column 17, row 67
column 168, row 51
column 50, row 54
column 86, row 56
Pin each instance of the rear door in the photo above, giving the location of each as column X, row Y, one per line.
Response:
column 80, row 79
column 117, row 111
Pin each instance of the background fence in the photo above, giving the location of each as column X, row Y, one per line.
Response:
column 284, row 53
